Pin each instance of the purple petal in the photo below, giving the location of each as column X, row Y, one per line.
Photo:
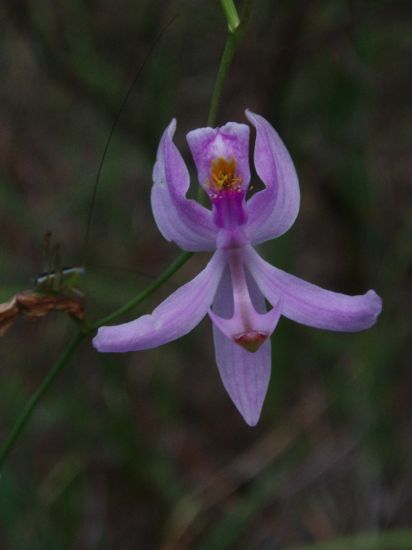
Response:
column 245, row 375
column 231, row 141
column 311, row 305
column 181, row 220
column 171, row 224
column 273, row 210
column 173, row 318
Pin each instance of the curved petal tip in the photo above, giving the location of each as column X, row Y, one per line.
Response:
column 375, row 305
column 171, row 128
column 115, row 339
column 249, row 114
column 101, row 342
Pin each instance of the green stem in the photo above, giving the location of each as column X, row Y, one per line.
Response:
column 227, row 56
column 231, row 14
column 225, row 62
column 35, row 398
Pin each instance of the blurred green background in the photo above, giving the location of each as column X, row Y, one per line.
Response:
column 145, row 450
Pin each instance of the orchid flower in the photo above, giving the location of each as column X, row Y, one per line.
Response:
column 236, row 284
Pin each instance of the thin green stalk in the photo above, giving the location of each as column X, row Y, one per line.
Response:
column 227, row 56
column 232, row 42
column 230, row 11
column 35, row 398
column 226, row 60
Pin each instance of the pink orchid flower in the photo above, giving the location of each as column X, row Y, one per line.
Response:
column 234, row 285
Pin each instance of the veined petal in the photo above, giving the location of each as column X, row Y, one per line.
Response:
column 184, row 221
column 311, row 305
column 245, row 375
column 273, row 210
column 170, row 224
column 173, row 318
column 231, row 141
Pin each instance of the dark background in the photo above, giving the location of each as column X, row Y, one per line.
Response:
column 145, row 450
